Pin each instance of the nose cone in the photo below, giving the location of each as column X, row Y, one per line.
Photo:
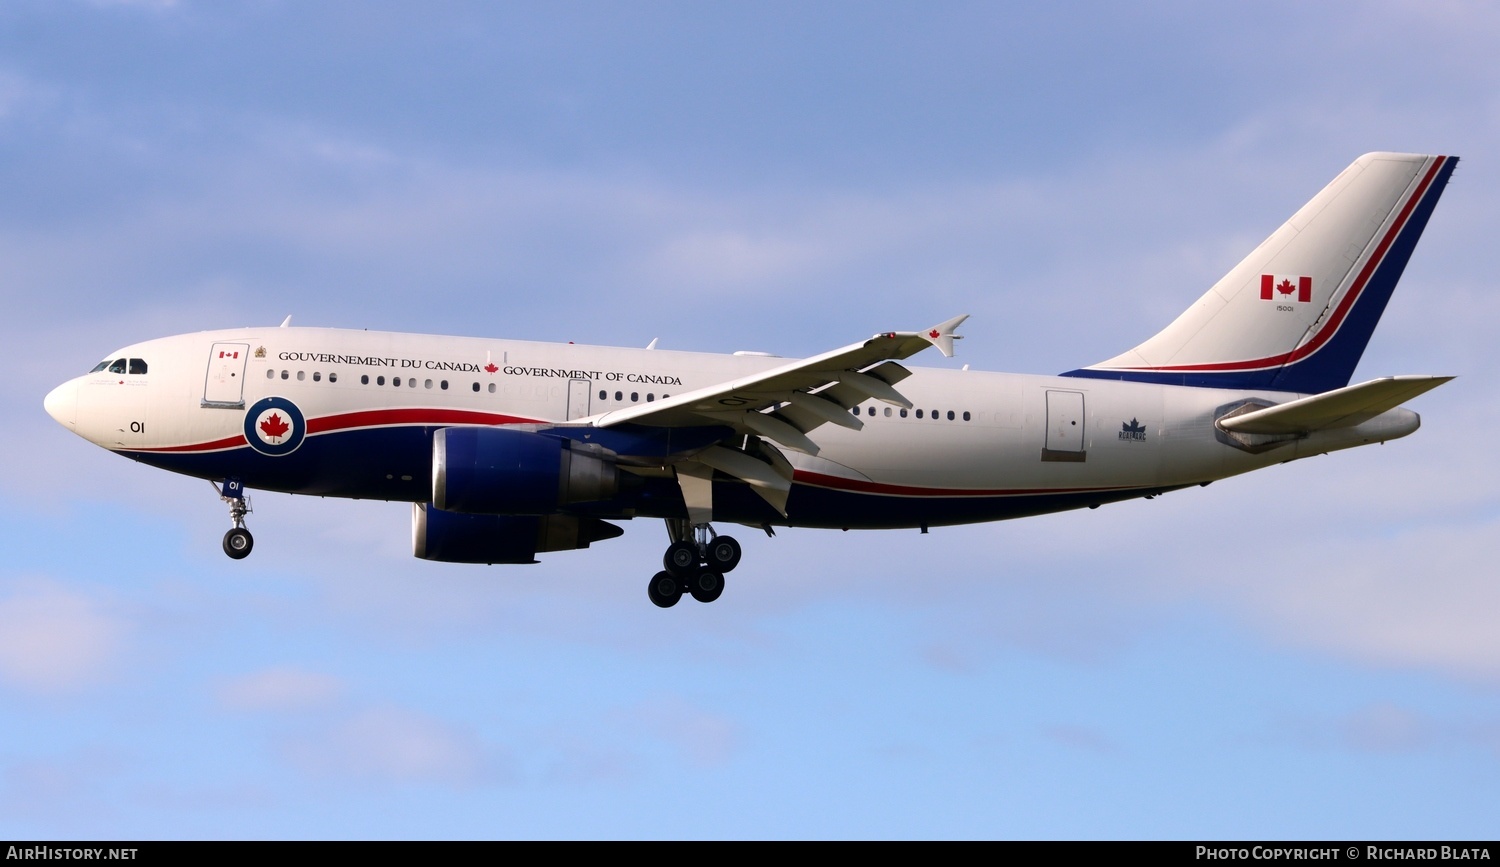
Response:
column 62, row 404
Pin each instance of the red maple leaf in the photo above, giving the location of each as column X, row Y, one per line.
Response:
column 934, row 334
column 1286, row 287
column 491, row 368
column 274, row 427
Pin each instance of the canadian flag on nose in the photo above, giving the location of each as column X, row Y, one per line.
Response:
column 1277, row 286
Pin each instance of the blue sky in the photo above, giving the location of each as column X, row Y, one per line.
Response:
column 1309, row 651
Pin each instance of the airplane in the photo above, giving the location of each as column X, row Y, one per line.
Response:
column 507, row 449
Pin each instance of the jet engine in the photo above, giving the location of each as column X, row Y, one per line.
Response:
column 450, row 537
column 499, row 471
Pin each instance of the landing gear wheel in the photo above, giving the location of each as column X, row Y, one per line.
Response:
column 238, row 542
column 707, row 586
column 681, row 559
column 664, row 590
column 723, row 553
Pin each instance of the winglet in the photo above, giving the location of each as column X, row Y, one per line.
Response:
column 942, row 336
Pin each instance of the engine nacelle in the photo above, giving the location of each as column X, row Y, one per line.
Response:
column 450, row 537
column 499, row 471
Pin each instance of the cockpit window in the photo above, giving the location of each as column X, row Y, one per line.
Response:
column 121, row 365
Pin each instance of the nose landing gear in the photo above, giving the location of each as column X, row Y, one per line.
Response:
column 695, row 562
column 237, row 542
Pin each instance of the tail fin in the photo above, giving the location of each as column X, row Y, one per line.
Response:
column 1296, row 314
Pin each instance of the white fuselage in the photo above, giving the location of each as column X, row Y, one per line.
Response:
column 975, row 446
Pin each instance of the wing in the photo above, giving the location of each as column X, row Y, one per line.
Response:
column 785, row 404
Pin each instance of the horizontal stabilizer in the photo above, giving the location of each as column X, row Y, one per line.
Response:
column 1342, row 407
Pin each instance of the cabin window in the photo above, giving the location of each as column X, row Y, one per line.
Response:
column 301, row 376
column 427, row 383
column 492, row 388
column 903, row 413
column 635, row 397
column 619, row 395
column 286, row 374
column 270, row 374
column 650, row 397
column 950, row 415
column 476, row 386
column 919, row 413
column 966, row 415
column 333, row 377
column 395, row 382
column 603, row 395
column 380, row 380
column 364, row 379
column 443, row 385
column 887, row 412
column 317, row 377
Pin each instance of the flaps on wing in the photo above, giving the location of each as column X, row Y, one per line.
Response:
column 784, row 403
column 1342, row 407
column 772, row 480
column 760, row 465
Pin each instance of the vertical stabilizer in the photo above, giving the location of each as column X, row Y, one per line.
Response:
column 1296, row 314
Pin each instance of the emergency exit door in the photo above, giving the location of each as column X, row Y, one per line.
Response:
column 1065, row 422
column 579, row 398
column 224, row 385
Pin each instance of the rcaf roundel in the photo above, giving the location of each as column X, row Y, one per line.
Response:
column 274, row 426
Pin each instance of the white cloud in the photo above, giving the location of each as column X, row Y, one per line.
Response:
column 66, row 791
column 280, row 689
column 152, row 5
column 1425, row 598
column 706, row 738
column 15, row 93
column 54, row 638
column 1393, row 727
column 393, row 745
column 1081, row 738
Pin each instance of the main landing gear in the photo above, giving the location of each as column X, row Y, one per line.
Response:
column 695, row 562
column 238, row 541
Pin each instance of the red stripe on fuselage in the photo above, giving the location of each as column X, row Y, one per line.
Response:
column 216, row 445
column 398, row 417
column 364, row 419
column 861, row 486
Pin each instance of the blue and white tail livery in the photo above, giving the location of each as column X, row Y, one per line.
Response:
column 508, row 449
column 1296, row 313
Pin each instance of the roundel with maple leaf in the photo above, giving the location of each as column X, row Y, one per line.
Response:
column 274, row 426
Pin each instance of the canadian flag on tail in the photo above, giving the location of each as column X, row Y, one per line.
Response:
column 1273, row 286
